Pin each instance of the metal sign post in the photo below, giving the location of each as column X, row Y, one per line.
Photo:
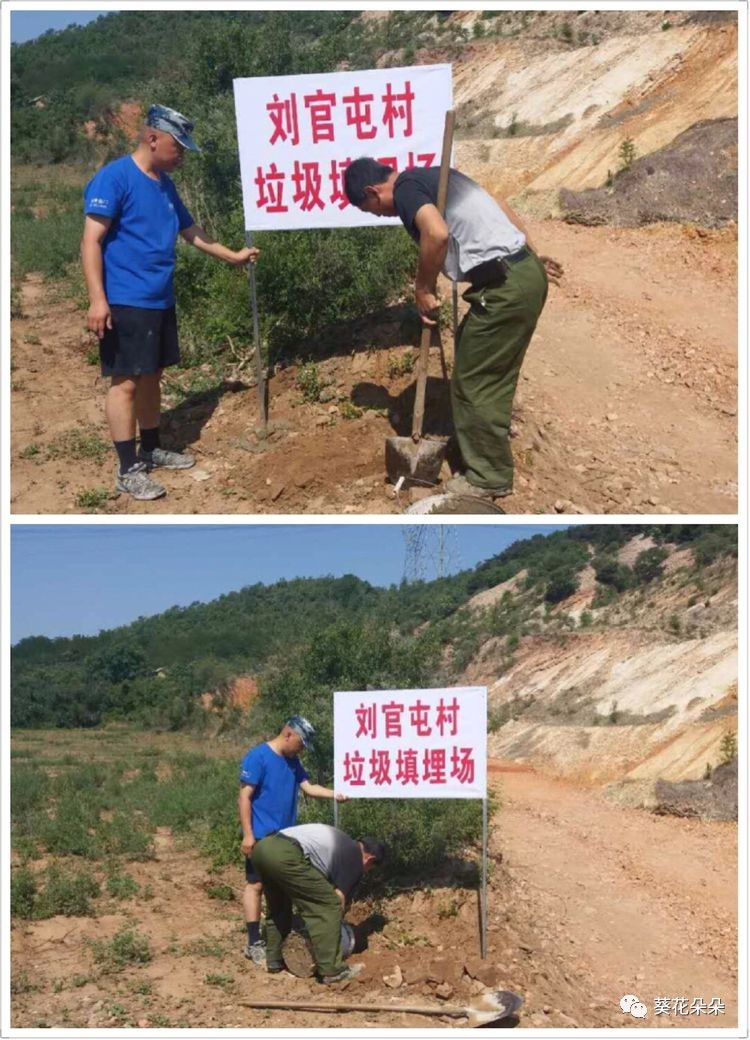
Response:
column 260, row 375
column 483, row 891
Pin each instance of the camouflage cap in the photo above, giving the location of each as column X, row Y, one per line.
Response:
column 304, row 729
column 171, row 122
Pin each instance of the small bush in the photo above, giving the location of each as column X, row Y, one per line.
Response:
column 560, row 586
column 220, row 891
column 66, row 893
column 126, row 948
column 92, row 498
column 627, row 153
column 728, row 748
column 120, row 885
column 23, row 889
column 586, row 619
column 401, row 365
column 308, row 381
column 649, row 565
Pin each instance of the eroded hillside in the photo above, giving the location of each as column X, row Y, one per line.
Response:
column 623, row 690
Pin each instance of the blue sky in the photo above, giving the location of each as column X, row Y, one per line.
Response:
column 81, row 578
column 27, row 25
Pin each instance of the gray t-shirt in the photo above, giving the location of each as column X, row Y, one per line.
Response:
column 479, row 229
column 337, row 856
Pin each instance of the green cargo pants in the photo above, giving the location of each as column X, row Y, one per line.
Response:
column 289, row 878
column 491, row 344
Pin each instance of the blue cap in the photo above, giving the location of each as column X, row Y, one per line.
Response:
column 171, row 122
column 304, row 729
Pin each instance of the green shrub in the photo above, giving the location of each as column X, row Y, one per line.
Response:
column 728, row 748
column 610, row 572
column 627, row 153
column 66, row 892
column 119, row 884
column 308, row 381
column 127, row 947
column 649, row 565
column 23, row 889
column 560, row 586
column 421, row 835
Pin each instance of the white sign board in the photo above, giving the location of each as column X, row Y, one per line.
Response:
column 297, row 135
column 411, row 743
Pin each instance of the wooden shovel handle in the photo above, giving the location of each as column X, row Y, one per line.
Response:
column 288, row 1005
column 424, row 347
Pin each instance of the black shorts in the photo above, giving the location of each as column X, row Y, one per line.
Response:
column 141, row 341
column 250, row 875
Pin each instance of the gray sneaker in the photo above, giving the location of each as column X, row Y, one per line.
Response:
column 459, row 485
column 160, row 458
column 349, row 971
column 137, row 483
column 256, row 952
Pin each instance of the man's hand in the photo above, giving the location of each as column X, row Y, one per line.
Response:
column 341, row 797
column 428, row 305
column 248, row 844
column 248, row 255
column 554, row 270
column 99, row 318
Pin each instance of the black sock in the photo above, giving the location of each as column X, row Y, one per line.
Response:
column 150, row 439
column 126, row 454
column 253, row 931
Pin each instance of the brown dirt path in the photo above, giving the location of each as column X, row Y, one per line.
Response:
column 630, row 903
column 627, row 402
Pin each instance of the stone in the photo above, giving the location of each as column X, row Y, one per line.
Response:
column 444, row 991
column 199, row 474
column 395, row 980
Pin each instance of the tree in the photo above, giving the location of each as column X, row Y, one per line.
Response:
column 649, row 564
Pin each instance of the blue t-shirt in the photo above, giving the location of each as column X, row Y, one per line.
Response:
column 275, row 779
column 139, row 247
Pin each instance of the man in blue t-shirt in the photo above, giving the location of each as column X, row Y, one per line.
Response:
column 133, row 217
column 270, row 776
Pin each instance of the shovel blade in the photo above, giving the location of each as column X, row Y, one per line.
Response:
column 418, row 462
column 493, row 1007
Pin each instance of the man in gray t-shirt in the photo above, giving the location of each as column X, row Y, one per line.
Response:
column 481, row 241
column 315, row 868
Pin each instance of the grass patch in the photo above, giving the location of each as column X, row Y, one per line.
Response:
column 128, row 947
column 220, row 891
column 31, row 451
column 223, row 981
column 205, row 948
column 92, row 499
column 82, row 443
column 64, row 892
column 121, row 885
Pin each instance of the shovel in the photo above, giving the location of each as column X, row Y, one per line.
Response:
column 489, row 1008
column 415, row 459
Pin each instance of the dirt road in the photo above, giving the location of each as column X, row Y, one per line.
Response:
column 624, row 901
column 627, row 402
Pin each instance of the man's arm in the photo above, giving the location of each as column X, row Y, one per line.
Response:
column 553, row 269
column 433, row 248
column 244, row 804
column 94, row 231
column 317, row 791
column 342, row 897
column 196, row 236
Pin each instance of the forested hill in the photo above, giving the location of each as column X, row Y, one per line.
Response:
column 62, row 80
column 308, row 636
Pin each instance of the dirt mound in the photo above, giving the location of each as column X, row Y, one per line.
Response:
column 711, row 799
column 692, row 180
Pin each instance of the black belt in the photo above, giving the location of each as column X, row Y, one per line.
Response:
column 288, row 837
column 495, row 271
